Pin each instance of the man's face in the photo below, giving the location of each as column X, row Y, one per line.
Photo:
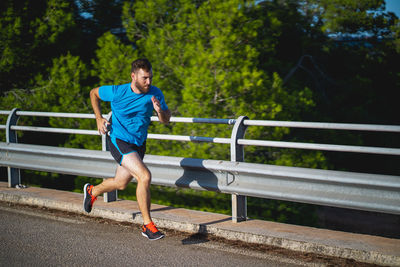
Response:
column 142, row 80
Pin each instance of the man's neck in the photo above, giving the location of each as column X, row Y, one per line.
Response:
column 134, row 89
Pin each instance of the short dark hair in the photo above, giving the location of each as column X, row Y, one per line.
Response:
column 142, row 63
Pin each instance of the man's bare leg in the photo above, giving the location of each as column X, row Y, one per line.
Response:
column 119, row 182
column 132, row 165
column 136, row 167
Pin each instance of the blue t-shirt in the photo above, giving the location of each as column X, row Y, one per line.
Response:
column 131, row 112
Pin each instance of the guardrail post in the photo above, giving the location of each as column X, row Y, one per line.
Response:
column 113, row 195
column 239, row 202
column 14, row 175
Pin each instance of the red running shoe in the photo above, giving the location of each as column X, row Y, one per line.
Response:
column 88, row 199
column 151, row 232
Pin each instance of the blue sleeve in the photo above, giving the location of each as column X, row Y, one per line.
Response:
column 106, row 92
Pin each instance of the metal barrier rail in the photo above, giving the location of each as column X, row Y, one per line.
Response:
column 272, row 182
column 379, row 193
column 246, row 122
column 239, row 210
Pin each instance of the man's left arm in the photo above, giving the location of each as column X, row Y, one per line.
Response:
column 163, row 115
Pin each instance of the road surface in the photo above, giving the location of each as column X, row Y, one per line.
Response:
column 40, row 237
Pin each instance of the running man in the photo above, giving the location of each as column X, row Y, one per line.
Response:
column 132, row 106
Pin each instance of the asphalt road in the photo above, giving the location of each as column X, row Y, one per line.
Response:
column 39, row 237
column 33, row 237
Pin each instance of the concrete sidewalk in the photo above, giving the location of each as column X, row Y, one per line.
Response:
column 363, row 248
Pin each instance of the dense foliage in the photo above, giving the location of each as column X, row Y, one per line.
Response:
column 315, row 60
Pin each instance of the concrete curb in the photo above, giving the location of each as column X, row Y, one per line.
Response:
column 362, row 248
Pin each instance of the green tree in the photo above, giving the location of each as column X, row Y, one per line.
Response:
column 95, row 18
column 32, row 33
column 113, row 60
column 352, row 71
column 359, row 58
column 208, row 67
column 65, row 89
column 351, row 17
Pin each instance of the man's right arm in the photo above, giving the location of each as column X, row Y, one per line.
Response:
column 95, row 101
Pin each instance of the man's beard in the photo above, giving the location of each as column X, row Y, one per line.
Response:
column 141, row 88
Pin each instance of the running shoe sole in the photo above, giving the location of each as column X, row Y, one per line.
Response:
column 84, row 198
column 153, row 239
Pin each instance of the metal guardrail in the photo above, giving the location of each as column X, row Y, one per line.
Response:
column 372, row 192
column 332, row 188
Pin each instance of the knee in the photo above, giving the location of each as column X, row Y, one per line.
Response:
column 145, row 178
column 121, row 185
